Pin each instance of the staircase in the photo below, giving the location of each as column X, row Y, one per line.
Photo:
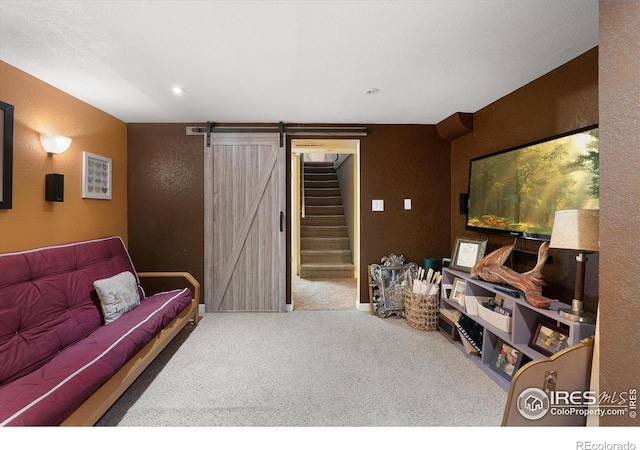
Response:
column 324, row 243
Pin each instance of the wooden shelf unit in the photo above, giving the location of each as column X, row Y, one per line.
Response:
column 524, row 321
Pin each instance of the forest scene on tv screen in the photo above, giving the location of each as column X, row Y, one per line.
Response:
column 520, row 190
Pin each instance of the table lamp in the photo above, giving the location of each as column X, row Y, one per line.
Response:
column 577, row 229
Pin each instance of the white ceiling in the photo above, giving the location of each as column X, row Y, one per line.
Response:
column 293, row 61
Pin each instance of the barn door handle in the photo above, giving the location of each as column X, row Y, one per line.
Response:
column 281, row 221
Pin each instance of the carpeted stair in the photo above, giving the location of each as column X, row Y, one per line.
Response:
column 324, row 243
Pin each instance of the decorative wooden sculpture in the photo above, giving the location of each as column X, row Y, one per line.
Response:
column 492, row 269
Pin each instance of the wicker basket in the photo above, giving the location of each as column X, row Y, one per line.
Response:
column 421, row 311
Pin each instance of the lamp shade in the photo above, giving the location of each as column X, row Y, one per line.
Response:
column 54, row 143
column 576, row 229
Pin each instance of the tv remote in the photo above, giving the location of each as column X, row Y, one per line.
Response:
column 511, row 292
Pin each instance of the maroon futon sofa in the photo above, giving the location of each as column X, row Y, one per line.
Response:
column 59, row 363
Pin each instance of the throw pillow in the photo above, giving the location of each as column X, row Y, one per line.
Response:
column 118, row 295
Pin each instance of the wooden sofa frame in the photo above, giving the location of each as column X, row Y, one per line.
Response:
column 94, row 407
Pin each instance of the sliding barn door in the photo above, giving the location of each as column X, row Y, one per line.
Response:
column 245, row 196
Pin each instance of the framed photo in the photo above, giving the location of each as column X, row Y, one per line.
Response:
column 506, row 360
column 467, row 253
column 96, row 176
column 549, row 339
column 6, row 155
column 457, row 291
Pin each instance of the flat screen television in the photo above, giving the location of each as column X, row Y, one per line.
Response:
column 517, row 191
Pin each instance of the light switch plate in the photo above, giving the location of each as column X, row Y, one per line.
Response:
column 407, row 203
column 377, row 205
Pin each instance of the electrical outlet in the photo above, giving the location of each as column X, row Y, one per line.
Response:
column 377, row 205
column 407, row 203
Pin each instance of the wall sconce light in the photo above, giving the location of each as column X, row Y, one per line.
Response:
column 54, row 143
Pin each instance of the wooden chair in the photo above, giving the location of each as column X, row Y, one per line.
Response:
column 568, row 370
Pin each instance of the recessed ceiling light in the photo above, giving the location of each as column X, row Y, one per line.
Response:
column 372, row 91
column 178, row 90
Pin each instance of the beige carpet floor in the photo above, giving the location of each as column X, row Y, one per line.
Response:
column 310, row 369
column 323, row 294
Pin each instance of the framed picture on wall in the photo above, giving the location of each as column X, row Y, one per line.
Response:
column 96, row 176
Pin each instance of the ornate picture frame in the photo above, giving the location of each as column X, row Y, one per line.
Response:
column 390, row 280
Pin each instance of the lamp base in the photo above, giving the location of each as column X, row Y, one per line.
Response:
column 576, row 313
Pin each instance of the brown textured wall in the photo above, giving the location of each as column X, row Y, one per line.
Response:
column 166, row 198
column 560, row 101
column 620, row 205
column 398, row 162
column 166, row 184
column 34, row 222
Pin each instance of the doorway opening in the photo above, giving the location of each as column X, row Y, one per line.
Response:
column 325, row 232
